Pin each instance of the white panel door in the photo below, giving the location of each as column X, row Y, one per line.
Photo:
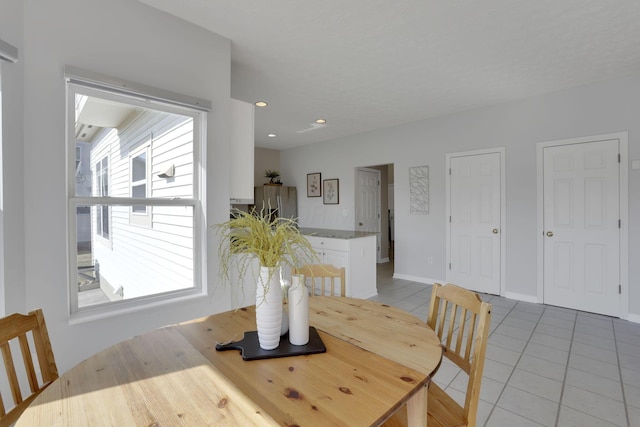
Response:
column 367, row 198
column 475, row 218
column 368, row 203
column 581, row 226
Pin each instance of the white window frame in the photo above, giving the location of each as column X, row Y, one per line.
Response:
column 92, row 84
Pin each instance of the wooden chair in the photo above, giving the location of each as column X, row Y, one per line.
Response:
column 327, row 274
column 17, row 326
column 461, row 320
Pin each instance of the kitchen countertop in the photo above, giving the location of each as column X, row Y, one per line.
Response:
column 335, row 234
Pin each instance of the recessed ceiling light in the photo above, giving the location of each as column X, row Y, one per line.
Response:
column 271, row 135
column 261, row 104
column 321, row 121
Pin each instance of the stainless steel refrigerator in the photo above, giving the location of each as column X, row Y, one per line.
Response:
column 278, row 200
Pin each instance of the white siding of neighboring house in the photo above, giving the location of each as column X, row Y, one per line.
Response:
column 156, row 257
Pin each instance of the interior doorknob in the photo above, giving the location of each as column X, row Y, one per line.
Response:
column 495, row 231
column 360, row 224
column 549, row 233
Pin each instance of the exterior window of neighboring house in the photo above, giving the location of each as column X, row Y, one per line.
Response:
column 136, row 204
column 139, row 180
column 102, row 187
column 140, row 185
column 78, row 159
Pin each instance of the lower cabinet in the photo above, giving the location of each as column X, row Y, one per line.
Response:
column 337, row 258
column 357, row 255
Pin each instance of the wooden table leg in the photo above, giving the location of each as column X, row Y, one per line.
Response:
column 417, row 409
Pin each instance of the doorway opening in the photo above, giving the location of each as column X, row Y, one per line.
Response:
column 375, row 213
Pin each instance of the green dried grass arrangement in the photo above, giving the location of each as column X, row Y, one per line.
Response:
column 275, row 242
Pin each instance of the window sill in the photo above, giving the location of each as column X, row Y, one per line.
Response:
column 108, row 310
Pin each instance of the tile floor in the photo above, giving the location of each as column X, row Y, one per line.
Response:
column 545, row 366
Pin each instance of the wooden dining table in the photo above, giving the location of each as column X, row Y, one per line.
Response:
column 378, row 358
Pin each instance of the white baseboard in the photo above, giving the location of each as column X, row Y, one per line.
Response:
column 418, row 279
column 635, row 318
column 365, row 296
column 521, row 297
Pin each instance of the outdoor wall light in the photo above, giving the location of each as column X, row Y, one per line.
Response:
column 169, row 173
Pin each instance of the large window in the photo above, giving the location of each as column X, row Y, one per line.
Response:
column 136, row 229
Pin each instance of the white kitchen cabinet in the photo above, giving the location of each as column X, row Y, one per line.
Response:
column 357, row 255
column 242, row 149
column 336, row 258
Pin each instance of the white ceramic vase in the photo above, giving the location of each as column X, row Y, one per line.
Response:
column 269, row 308
column 298, row 311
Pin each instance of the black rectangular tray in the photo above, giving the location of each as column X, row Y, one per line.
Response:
column 250, row 348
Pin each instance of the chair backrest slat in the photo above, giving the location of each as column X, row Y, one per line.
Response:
column 460, row 329
column 17, row 327
column 28, row 361
column 442, row 322
column 10, row 369
column 467, row 354
column 452, row 326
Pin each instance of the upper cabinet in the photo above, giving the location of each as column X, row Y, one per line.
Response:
column 242, row 152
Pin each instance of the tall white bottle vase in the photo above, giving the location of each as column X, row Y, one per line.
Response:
column 298, row 311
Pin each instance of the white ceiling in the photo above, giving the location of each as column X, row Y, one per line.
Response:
column 370, row 64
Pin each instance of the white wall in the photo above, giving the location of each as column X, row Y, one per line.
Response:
column 2, row 312
column 11, row 31
column 124, row 39
column 597, row 109
column 5, row 52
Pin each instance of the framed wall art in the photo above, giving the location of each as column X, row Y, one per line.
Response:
column 331, row 191
column 419, row 190
column 314, row 188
